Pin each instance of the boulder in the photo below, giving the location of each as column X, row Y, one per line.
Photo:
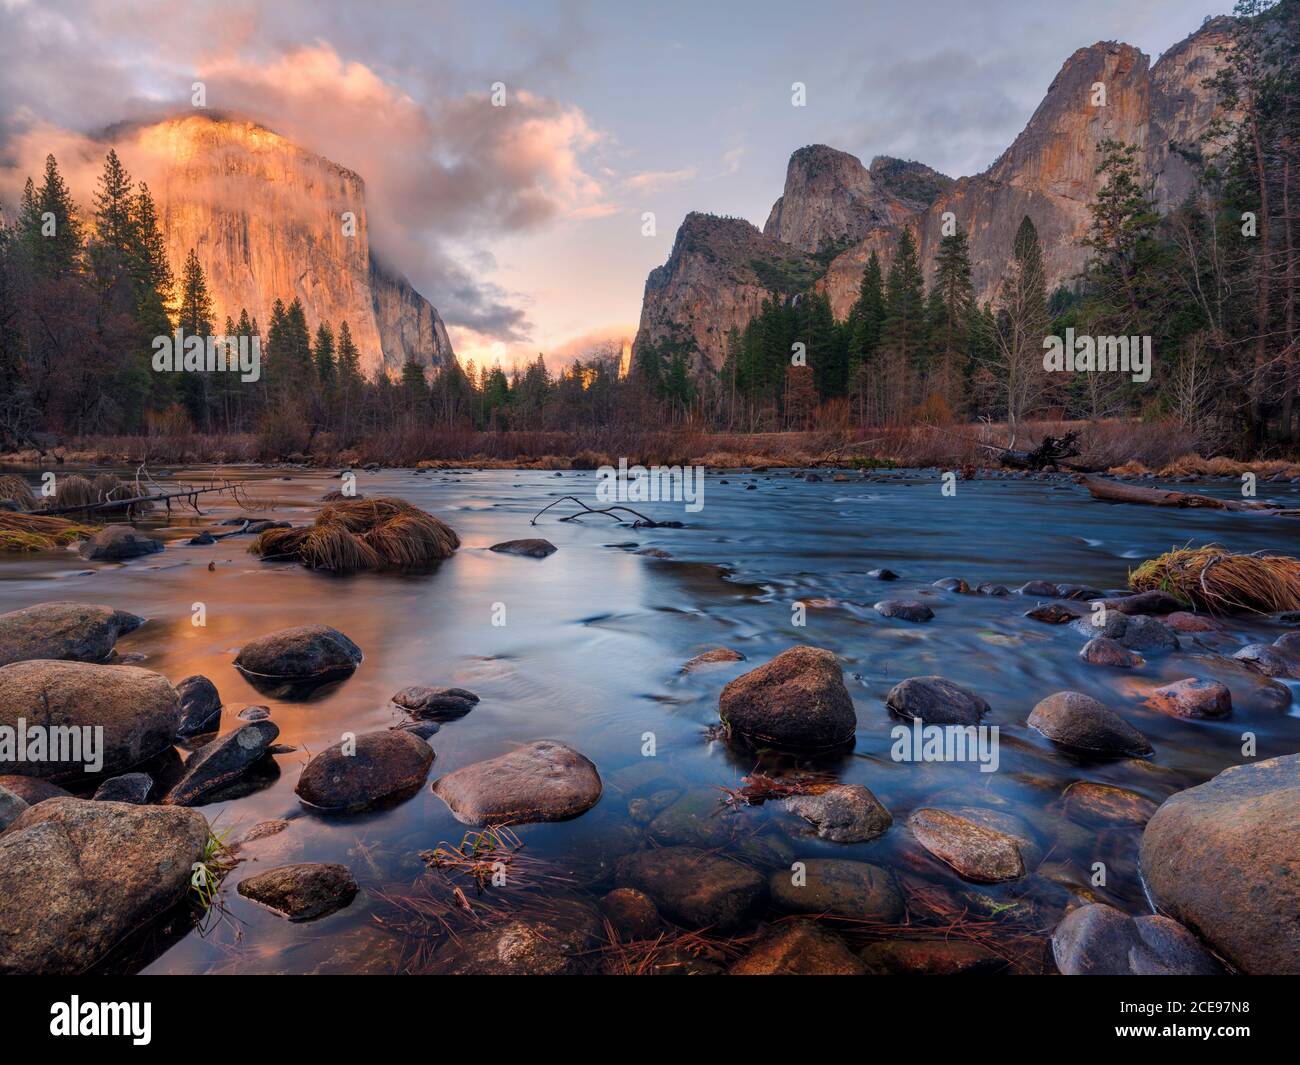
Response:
column 1101, row 651
column 1078, row 721
column 904, row 610
column 842, row 813
column 1099, row 940
column 1104, row 805
column 77, row 877
column 1192, row 697
column 117, row 543
column 797, row 700
column 1269, row 660
column 429, row 702
column 930, row 957
column 1143, row 633
column 716, row 657
column 302, row 892
column 11, row 805
column 799, row 948
column 136, row 708
column 632, row 914
column 935, row 701
column 528, row 548
column 33, row 789
column 1223, row 859
column 838, row 887
column 200, row 706
column 692, row 886
column 542, row 781
column 129, row 787
column 221, row 763
column 298, row 659
column 977, row 851
column 77, row 632
column 373, row 768
column 1109, row 625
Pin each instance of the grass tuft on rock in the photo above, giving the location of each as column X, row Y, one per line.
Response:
column 352, row 535
column 13, row 487
column 1218, row 581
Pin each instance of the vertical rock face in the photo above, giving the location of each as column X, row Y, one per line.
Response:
column 1048, row 173
column 266, row 219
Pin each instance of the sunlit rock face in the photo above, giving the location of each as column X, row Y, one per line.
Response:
column 1048, row 173
column 267, row 220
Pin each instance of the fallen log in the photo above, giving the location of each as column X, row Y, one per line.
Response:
column 1119, row 492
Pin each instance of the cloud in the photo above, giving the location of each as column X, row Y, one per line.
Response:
column 654, row 180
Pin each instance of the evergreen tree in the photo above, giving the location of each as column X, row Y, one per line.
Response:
column 952, row 302
column 903, row 335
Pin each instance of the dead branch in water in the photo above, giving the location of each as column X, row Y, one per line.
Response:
column 144, row 496
column 1117, row 492
column 642, row 522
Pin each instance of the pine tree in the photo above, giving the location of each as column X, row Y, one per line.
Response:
column 952, row 302
column 194, row 318
column 49, row 229
column 904, row 333
column 323, row 358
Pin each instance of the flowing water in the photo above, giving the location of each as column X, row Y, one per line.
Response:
column 590, row 654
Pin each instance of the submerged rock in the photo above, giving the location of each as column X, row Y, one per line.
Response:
column 1269, row 660
column 1103, row 805
column 904, row 610
column 298, row 659
column 1143, row 633
column 883, row 574
column 117, row 543
column 129, row 787
column 692, row 886
column 1081, row 592
column 632, row 913
column 1101, row 651
column 76, row 877
column 200, row 706
column 1075, row 720
column 1221, row 858
column 930, row 957
column 839, row 887
column 373, row 768
column 842, row 813
column 796, row 700
column 78, row 632
column 542, row 781
column 528, row 548
column 799, row 948
column 1192, row 697
column 1099, row 940
column 978, row 852
column 302, row 892
column 953, row 584
column 998, row 590
column 426, row 702
column 935, row 701
column 136, row 708
column 221, row 763
column 1042, row 589
column 717, row 656
column 519, row 948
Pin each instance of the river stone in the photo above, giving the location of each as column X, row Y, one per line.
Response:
column 632, row 914
column 1082, row 592
column 1288, row 643
column 116, row 543
column 1100, row 651
column 254, row 713
column 1054, row 613
column 935, row 701
column 129, row 787
column 977, row 851
column 1223, row 859
column 302, row 892
column 384, row 766
column 953, row 584
column 842, row 813
column 436, row 702
column 542, row 781
column 799, row 948
column 1183, row 621
column 1192, row 697
column 717, row 656
column 883, row 574
column 1143, row 633
column 519, row 948
column 1269, row 660
column 77, row 877
column 33, row 789
column 137, row 709
column 692, row 886
column 1152, row 602
column 1075, row 720
column 1099, row 940
column 904, row 609
column 221, row 763
column 11, row 805
column 308, row 655
column 997, row 590
column 1103, row 805
column 78, row 632
column 1108, row 625
column 839, row 887
column 797, row 700
column 1043, row 589
column 930, row 957
column 200, row 706
column 528, row 548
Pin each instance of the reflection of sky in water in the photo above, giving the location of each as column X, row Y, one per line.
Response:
column 596, row 635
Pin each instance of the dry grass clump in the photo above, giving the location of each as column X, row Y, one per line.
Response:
column 15, row 488
column 1218, row 581
column 363, row 534
column 38, row 532
column 74, row 490
column 1192, row 465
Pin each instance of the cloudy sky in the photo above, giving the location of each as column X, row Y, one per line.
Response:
column 523, row 224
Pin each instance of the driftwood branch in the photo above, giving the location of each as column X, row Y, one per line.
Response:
column 642, row 522
column 1118, row 492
